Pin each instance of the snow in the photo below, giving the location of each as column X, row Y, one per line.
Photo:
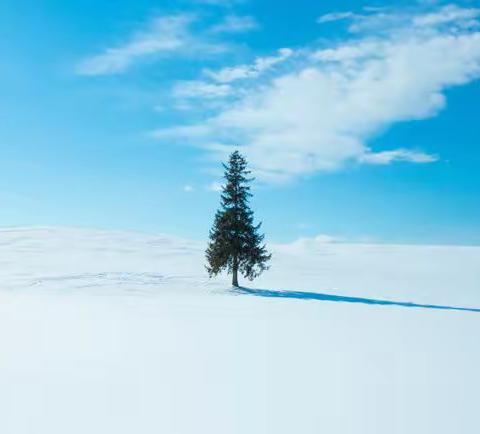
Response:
column 122, row 332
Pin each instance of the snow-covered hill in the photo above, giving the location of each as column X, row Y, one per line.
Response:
column 115, row 332
column 98, row 261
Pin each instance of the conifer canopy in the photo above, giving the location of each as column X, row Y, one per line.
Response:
column 236, row 245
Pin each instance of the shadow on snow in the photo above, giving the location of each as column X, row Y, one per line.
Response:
column 301, row 295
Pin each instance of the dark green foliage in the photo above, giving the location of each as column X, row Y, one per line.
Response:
column 235, row 242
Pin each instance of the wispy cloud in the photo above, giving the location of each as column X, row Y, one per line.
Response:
column 163, row 35
column 466, row 17
column 215, row 186
column 446, row 18
column 335, row 16
column 217, row 86
column 387, row 157
column 320, row 113
column 236, row 24
column 200, row 89
column 259, row 66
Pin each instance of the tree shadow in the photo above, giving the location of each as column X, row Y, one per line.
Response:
column 301, row 295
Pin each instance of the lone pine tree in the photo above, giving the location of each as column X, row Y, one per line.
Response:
column 235, row 242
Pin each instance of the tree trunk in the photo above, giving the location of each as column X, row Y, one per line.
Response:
column 235, row 273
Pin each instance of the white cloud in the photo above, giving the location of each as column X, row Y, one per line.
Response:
column 387, row 157
column 163, row 35
column 466, row 17
column 200, row 89
column 188, row 188
column 241, row 72
column 215, row 186
column 448, row 18
column 350, row 51
column 235, row 24
column 321, row 114
column 335, row 16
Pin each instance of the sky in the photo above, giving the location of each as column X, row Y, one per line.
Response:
column 359, row 119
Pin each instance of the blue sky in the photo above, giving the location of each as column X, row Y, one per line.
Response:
column 360, row 120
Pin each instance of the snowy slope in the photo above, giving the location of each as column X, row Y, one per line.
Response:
column 113, row 332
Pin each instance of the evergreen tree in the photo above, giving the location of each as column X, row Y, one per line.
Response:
column 235, row 242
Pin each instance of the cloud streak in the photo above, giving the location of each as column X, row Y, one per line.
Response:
column 241, row 72
column 165, row 35
column 335, row 16
column 236, row 24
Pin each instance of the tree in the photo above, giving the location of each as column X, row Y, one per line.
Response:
column 235, row 241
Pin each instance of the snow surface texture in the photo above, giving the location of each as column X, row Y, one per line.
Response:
column 112, row 332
